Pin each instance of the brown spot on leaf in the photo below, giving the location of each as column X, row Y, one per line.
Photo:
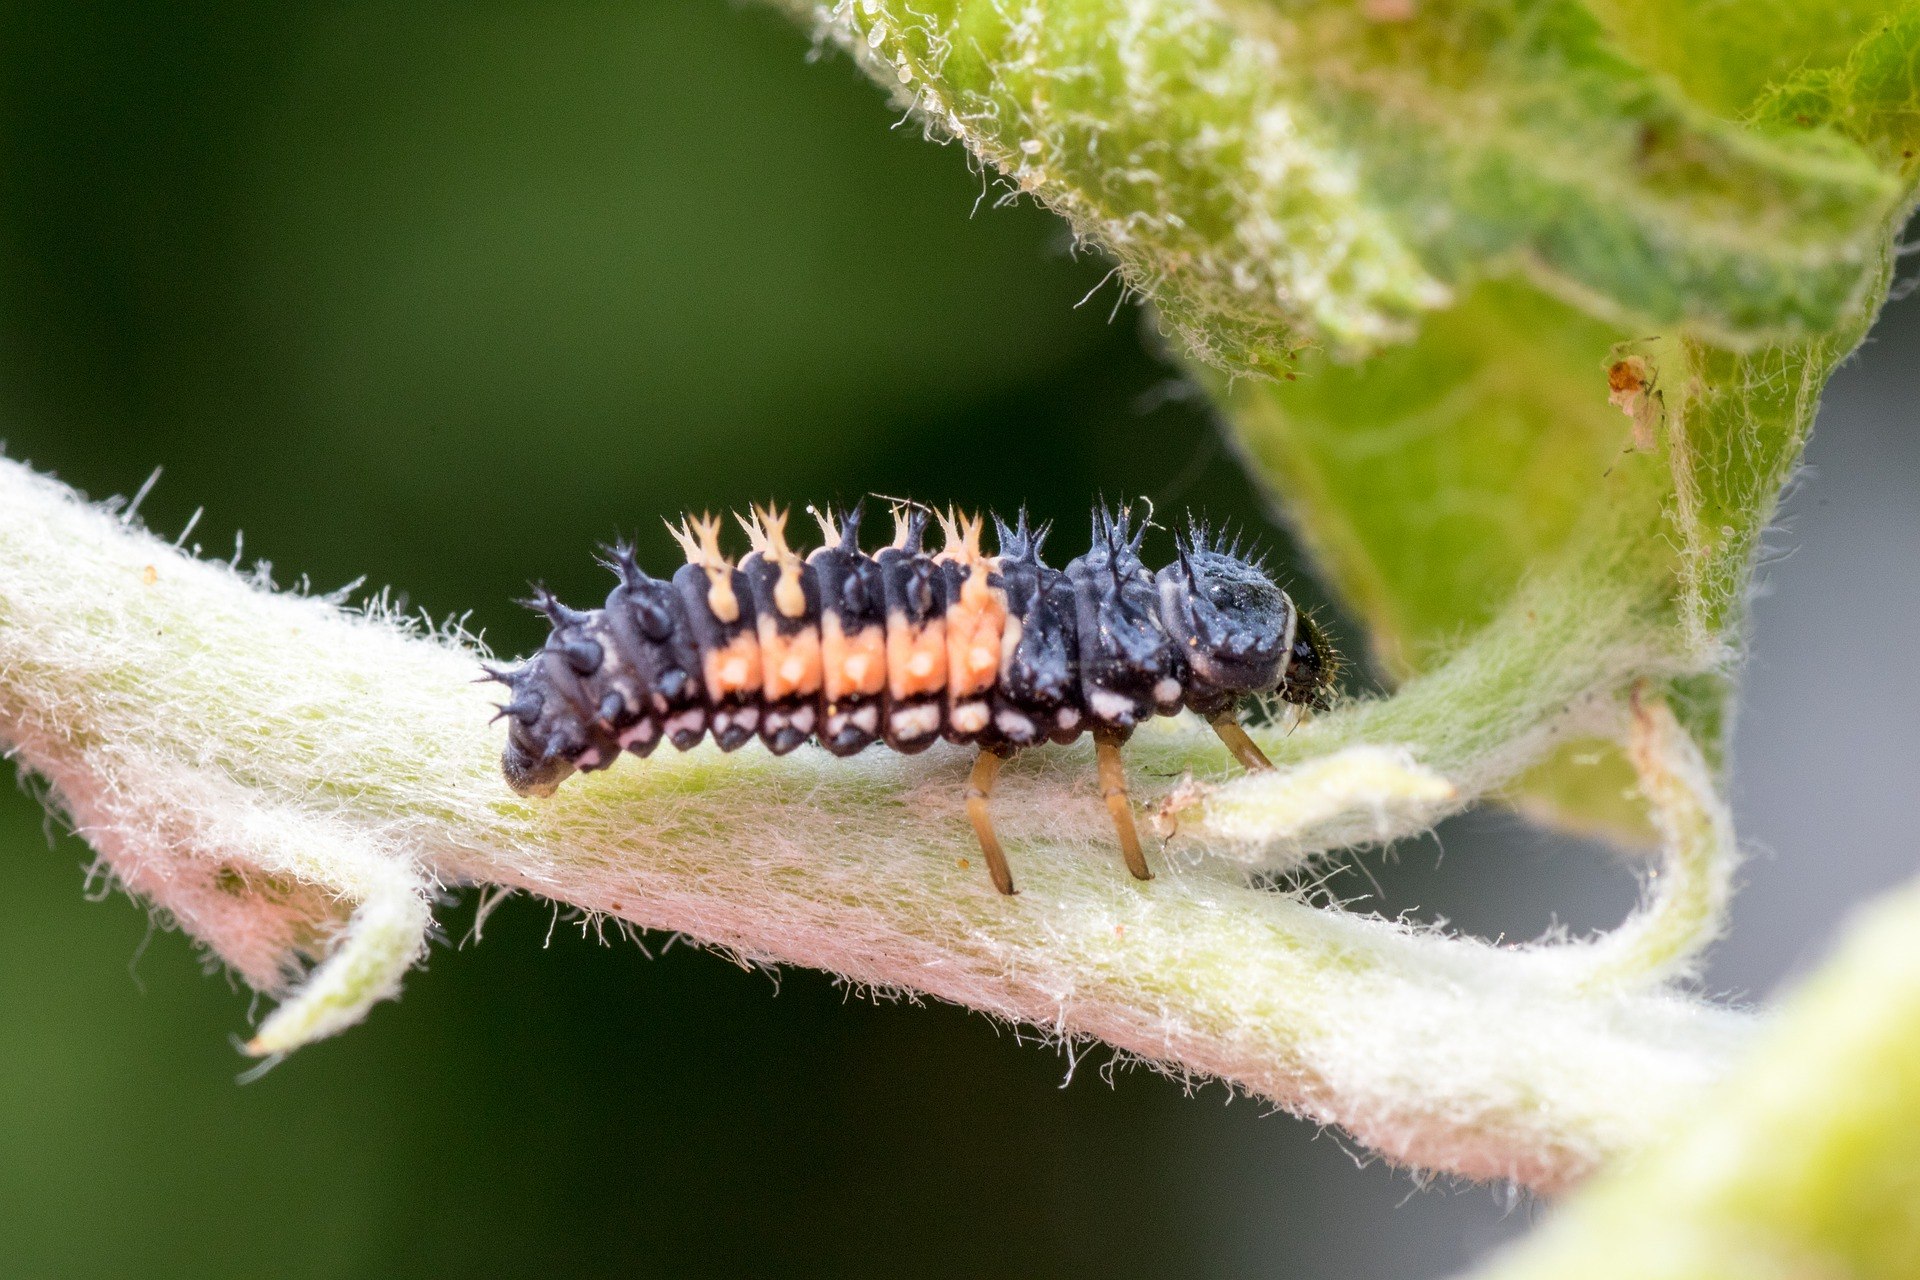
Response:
column 1631, row 389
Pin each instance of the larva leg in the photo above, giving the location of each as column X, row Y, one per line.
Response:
column 1113, row 786
column 1244, row 748
column 985, row 769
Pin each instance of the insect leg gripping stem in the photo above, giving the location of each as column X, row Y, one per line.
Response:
column 1235, row 739
column 979, row 787
column 1113, row 786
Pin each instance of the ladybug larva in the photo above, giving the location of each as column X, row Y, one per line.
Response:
column 846, row 649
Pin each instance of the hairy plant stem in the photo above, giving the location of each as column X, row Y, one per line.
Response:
column 287, row 779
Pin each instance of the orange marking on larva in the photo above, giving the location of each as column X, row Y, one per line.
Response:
column 902, row 524
column 788, row 596
column 975, row 624
column 962, row 533
column 854, row 665
column 829, row 527
column 699, row 537
column 916, row 656
column 976, row 621
column 767, row 531
column 791, row 662
column 734, row 669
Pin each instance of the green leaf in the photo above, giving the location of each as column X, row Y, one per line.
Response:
column 1726, row 56
column 1429, row 482
column 1282, row 175
column 1868, row 98
column 1175, row 138
column 1433, row 481
column 1517, row 136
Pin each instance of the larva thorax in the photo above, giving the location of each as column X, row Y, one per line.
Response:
column 847, row 648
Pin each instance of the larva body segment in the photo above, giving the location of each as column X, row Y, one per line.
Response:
column 786, row 609
column 1130, row 667
column 1037, row 696
column 728, row 643
column 847, row 649
column 914, row 592
column 853, row 639
column 976, row 621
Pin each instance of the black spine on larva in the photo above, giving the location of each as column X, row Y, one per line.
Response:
column 910, row 585
column 852, row 609
column 1037, row 697
column 1129, row 669
column 657, row 673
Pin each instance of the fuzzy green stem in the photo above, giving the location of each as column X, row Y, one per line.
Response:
column 1691, row 888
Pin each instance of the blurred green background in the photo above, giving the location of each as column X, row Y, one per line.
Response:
column 446, row 296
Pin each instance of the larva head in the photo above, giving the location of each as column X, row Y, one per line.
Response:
column 542, row 733
column 1240, row 633
column 552, row 727
column 1311, row 668
column 532, row 773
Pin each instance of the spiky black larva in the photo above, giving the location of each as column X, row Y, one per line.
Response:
column 846, row 648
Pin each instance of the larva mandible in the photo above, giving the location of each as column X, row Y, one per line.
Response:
column 905, row 647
